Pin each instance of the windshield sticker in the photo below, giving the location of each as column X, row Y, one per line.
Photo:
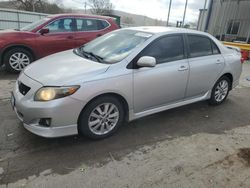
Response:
column 141, row 34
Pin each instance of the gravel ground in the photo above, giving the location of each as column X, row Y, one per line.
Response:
column 192, row 146
column 200, row 160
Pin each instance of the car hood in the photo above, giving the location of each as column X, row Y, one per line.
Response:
column 13, row 36
column 10, row 32
column 64, row 68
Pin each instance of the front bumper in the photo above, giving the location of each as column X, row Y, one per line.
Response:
column 63, row 112
column 52, row 132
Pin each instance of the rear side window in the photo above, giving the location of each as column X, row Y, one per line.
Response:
column 215, row 48
column 166, row 49
column 90, row 24
column 102, row 24
column 199, row 46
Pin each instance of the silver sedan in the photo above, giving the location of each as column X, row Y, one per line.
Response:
column 123, row 75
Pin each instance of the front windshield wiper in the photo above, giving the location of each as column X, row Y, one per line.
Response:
column 91, row 54
column 97, row 57
column 88, row 55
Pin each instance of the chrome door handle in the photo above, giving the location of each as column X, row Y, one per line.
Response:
column 70, row 37
column 218, row 61
column 183, row 68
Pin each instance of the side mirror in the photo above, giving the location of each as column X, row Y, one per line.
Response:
column 44, row 31
column 146, row 61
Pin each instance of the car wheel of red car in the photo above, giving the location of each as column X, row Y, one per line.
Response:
column 17, row 59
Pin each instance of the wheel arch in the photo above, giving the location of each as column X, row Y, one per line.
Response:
column 230, row 76
column 112, row 94
column 6, row 49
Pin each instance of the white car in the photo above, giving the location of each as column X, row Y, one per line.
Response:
column 123, row 75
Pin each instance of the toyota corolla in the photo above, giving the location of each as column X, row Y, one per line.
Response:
column 123, row 75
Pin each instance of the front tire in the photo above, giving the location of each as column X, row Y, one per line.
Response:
column 17, row 59
column 101, row 118
column 220, row 91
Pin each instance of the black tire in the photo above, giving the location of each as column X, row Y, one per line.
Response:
column 83, row 126
column 8, row 54
column 212, row 100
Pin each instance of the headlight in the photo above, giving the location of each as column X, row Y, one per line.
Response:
column 51, row 93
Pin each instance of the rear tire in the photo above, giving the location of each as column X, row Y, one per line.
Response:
column 101, row 118
column 220, row 91
column 17, row 59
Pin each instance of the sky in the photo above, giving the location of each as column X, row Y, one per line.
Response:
column 157, row 9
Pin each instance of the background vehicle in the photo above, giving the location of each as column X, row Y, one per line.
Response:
column 94, row 88
column 49, row 35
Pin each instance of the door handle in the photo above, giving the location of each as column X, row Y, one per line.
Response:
column 98, row 35
column 183, row 68
column 70, row 37
column 218, row 61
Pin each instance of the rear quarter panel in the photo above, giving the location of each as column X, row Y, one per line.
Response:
column 233, row 65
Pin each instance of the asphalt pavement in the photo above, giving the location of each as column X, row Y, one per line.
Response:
column 25, row 156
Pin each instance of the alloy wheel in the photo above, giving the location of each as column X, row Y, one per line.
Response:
column 221, row 90
column 18, row 61
column 103, row 118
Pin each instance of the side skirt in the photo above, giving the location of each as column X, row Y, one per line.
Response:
column 133, row 116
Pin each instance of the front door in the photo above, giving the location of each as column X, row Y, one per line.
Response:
column 166, row 82
column 61, row 37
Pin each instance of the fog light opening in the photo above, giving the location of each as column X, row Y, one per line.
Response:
column 46, row 122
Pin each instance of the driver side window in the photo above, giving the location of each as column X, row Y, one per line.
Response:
column 61, row 25
column 166, row 49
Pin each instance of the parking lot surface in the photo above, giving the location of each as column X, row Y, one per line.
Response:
column 192, row 146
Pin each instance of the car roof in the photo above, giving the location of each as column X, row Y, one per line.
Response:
column 78, row 15
column 165, row 30
column 161, row 30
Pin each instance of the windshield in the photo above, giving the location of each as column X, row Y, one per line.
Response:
column 114, row 47
column 35, row 24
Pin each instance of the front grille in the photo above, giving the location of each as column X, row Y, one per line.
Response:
column 23, row 88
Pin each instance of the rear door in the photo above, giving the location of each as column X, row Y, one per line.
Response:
column 206, row 64
column 166, row 82
column 61, row 36
column 88, row 29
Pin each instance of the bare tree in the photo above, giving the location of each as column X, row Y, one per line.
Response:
column 37, row 6
column 102, row 7
column 28, row 5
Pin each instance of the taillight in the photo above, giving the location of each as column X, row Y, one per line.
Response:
column 244, row 55
column 242, row 60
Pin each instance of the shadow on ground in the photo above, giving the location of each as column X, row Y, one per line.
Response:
column 24, row 154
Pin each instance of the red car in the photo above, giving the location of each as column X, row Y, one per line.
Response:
column 49, row 35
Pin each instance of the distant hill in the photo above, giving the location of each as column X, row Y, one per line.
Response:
column 138, row 20
column 129, row 19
